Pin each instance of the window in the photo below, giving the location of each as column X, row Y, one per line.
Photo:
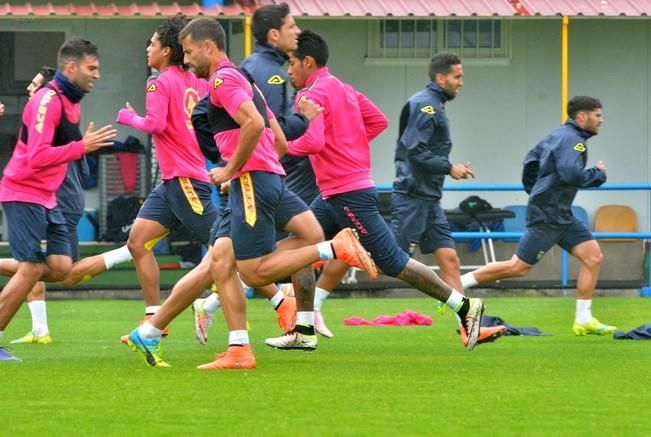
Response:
column 415, row 39
column 23, row 54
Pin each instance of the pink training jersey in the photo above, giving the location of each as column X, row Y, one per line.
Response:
column 36, row 169
column 171, row 96
column 337, row 141
column 229, row 89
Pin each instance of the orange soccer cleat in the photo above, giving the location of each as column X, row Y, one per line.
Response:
column 235, row 357
column 347, row 248
column 486, row 334
column 286, row 311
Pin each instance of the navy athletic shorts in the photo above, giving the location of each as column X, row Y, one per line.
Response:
column 260, row 205
column 35, row 231
column 540, row 238
column 358, row 210
column 72, row 221
column 182, row 201
column 419, row 222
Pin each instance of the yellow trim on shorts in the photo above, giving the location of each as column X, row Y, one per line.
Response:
column 149, row 245
column 191, row 195
column 248, row 198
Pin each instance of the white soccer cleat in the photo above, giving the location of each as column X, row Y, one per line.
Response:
column 320, row 326
column 202, row 321
column 293, row 340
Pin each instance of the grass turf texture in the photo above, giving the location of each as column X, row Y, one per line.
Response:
column 365, row 381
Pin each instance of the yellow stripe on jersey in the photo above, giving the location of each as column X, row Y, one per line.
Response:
column 248, row 198
column 191, row 195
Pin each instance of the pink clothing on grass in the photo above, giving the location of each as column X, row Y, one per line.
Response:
column 229, row 89
column 405, row 318
column 337, row 141
column 36, row 169
column 171, row 96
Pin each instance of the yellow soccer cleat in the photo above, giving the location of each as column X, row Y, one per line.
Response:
column 593, row 326
column 33, row 339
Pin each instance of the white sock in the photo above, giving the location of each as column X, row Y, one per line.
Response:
column 583, row 310
column 211, row 304
column 320, row 295
column 152, row 309
column 116, row 256
column 305, row 317
column 455, row 300
column 325, row 250
column 468, row 280
column 147, row 331
column 276, row 299
column 238, row 337
column 39, row 317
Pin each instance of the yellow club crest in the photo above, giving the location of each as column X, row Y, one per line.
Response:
column 275, row 80
column 428, row 110
column 218, row 81
column 580, row 147
column 151, row 88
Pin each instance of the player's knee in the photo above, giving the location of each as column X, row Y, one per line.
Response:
column 59, row 271
column 135, row 246
column 519, row 269
column 221, row 269
column 315, row 235
column 253, row 279
column 450, row 261
column 594, row 260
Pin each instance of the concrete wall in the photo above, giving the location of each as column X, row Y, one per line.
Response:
column 502, row 111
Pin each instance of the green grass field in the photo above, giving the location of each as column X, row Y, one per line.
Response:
column 365, row 381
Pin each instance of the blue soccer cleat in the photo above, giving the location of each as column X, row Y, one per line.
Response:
column 151, row 350
column 5, row 355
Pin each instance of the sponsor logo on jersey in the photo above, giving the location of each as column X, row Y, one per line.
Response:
column 190, row 99
column 42, row 110
column 275, row 80
column 428, row 110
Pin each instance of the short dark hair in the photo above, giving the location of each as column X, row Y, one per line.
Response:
column 312, row 44
column 266, row 18
column 441, row 63
column 582, row 104
column 200, row 29
column 75, row 49
column 168, row 34
column 47, row 72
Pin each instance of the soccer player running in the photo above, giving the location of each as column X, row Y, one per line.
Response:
column 184, row 196
column 553, row 172
column 70, row 199
column 49, row 139
column 422, row 163
column 337, row 143
column 276, row 33
column 249, row 140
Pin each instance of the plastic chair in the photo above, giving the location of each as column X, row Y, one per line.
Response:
column 580, row 213
column 517, row 223
column 615, row 218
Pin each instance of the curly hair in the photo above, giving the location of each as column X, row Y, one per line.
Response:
column 168, row 34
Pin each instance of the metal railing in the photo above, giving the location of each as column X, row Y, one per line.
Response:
column 645, row 291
